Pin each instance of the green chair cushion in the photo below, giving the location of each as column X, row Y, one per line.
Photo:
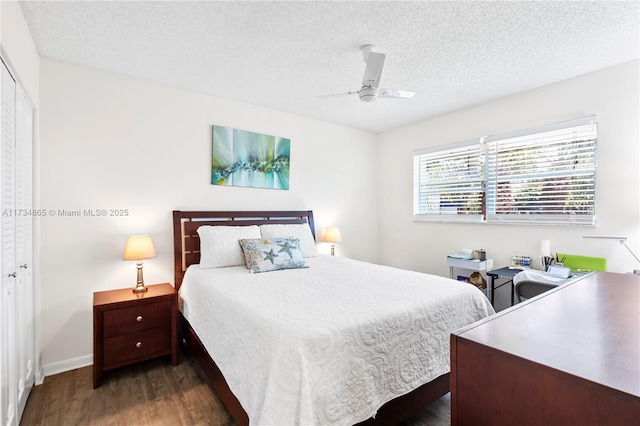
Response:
column 576, row 262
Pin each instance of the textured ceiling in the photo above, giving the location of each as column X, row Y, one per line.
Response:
column 282, row 55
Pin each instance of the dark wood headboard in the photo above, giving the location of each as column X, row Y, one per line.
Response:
column 186, row 243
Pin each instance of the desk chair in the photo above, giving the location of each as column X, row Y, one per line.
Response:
column 528, row 289
column 530, row 283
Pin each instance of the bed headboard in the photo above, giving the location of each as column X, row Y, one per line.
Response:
column 186, row 243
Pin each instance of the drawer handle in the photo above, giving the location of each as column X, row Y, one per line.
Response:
column 139, row 318
column 139, row 344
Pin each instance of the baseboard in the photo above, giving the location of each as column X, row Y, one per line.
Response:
column 67, row 365
column 39, row 379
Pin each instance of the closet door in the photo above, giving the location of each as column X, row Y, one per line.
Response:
column 8, row 354
column 24, row 249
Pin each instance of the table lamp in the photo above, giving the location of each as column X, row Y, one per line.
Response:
column 622, row 240
column 332, row 235
column 139, row 248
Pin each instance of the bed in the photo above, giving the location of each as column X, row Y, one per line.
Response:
column 295, row 346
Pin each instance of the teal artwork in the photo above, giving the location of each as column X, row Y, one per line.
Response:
column 241, row 158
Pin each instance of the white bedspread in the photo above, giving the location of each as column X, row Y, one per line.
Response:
column 329, row 344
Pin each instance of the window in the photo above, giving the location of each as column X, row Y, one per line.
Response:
column 544, row 175
column 449, row 182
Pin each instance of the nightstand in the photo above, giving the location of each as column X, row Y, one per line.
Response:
column 132, row 327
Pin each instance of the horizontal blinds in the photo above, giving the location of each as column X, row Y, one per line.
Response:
column 544, row 177
column 449, row 182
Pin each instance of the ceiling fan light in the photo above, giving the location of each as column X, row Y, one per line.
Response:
column 368, row 94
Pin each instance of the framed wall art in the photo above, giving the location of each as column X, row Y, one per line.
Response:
column 242, row 158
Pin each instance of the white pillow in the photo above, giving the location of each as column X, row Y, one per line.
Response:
column 300, row 231
column 219, row 246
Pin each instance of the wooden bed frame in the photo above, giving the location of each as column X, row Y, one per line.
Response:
column 187, row 252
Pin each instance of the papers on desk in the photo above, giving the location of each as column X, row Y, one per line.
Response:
column 465, row 254
column 559, row 271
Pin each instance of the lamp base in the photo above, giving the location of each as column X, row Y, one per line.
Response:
column 139, row 288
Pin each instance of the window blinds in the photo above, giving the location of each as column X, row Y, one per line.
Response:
column 542, row 175
column 546, row 175
column 449, row 182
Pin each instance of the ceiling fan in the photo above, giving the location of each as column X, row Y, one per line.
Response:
column 369, row 91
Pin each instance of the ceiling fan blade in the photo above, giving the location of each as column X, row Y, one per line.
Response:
column 336, row 95
column 395, row 93
column 373, row 71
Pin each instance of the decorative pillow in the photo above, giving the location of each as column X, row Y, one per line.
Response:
column 219, row 246
column 271, row 255
column 300, row 231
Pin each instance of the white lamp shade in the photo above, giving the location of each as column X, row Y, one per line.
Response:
column 139, row 247
column 332, row 235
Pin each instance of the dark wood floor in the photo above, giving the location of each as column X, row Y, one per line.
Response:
column 149, row 393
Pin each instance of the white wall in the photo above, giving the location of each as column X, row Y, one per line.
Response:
column 612, row 94
column 114, row 142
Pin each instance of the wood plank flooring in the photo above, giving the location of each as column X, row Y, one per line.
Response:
column 149, row 393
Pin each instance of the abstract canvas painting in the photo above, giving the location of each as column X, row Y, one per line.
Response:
column 242, row 158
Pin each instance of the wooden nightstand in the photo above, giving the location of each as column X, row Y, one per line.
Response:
column 130, row 327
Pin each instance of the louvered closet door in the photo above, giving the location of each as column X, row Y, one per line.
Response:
column 24, row 249
column 8, row 353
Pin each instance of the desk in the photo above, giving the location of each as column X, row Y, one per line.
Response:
column 468, row 264
column 567, row 357
column 505, row 272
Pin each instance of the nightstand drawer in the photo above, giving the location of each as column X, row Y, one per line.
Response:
column 137, row 318
column 136, row 345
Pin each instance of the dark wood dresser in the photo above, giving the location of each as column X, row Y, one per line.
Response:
column 571, row 356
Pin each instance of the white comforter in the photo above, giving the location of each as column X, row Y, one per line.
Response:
column 329, row 344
